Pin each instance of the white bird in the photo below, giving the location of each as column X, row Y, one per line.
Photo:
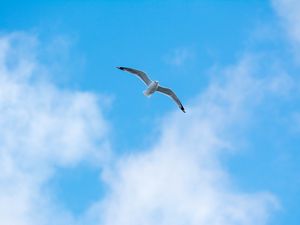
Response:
column 153, row 86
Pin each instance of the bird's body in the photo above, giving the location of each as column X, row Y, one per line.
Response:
column 153, row 86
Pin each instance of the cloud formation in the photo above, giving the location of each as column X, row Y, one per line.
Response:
column 179, row 56
column 289, row 12
column 178, row 180
column 42, row 128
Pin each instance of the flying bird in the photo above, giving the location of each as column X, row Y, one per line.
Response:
column 153, row 86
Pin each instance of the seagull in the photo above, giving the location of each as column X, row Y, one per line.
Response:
column 153, row 86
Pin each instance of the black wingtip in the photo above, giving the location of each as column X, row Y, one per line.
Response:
column 120, row 67
column 182, row 109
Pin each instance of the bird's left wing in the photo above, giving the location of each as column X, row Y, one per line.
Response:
column 139, row 73
column 170, row 93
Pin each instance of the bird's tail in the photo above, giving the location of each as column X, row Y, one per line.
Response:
column 146, row 93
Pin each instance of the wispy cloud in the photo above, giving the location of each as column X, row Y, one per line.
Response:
column 289, row 12
column 179, row 56
column 41, row 128
column 180, row 179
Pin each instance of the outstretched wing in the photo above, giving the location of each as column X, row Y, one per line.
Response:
column 170, row 93
column 143, row 76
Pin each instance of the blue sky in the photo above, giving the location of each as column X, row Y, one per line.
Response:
column 85, row 144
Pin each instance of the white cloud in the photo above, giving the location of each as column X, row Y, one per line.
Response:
column 289, row 11
column 179, row 56
column 41, row 128
column 179, row 180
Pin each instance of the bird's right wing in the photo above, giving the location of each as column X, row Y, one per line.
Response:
column 170, row 93
column 143, row 76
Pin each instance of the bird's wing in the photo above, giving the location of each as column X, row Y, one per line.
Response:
column 170, row 93
column 143, row 76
